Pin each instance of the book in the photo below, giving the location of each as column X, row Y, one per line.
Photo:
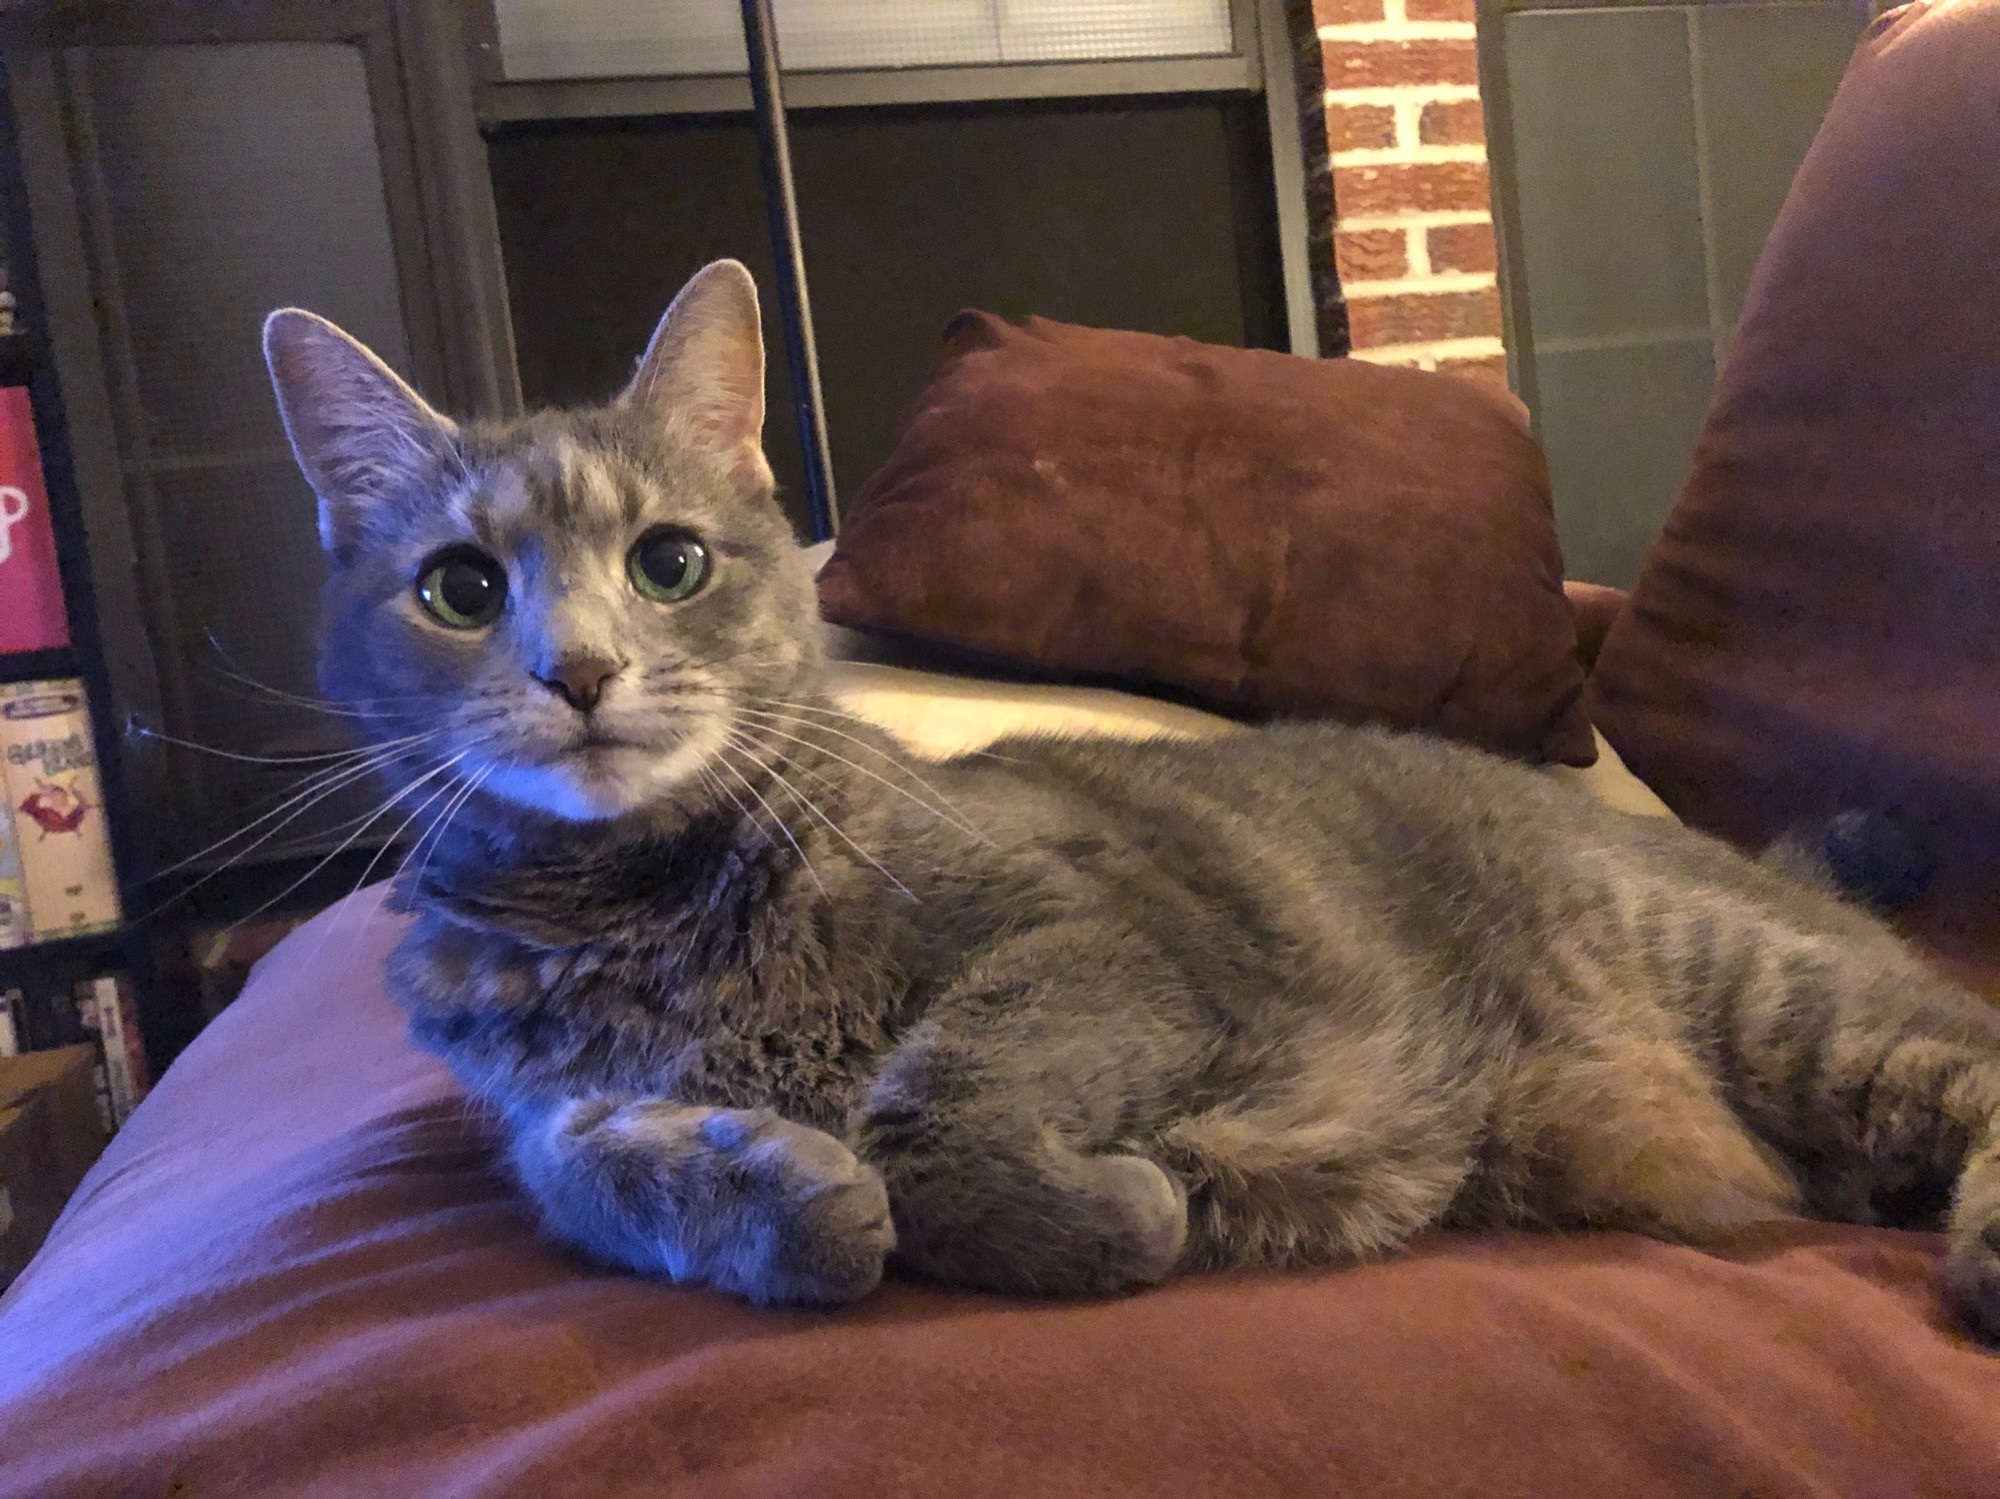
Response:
column 14, row 930
column 105, row 1007
column 8, row 326
column 100, row 1080
column 48, row 768
column 32, row 616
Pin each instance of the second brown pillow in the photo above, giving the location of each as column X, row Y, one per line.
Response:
column 1269, row 535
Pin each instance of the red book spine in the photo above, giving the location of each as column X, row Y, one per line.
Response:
column 31, row 599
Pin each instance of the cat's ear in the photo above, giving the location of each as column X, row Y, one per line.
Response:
column 363, row 438
column 703, row 374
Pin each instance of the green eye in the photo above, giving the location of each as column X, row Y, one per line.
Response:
column 462, row 587
column 668, row 564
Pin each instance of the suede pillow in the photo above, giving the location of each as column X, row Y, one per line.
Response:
column 1267, row 535
column 1819, row 626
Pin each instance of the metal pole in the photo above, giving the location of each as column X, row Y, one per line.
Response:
column 760, row 39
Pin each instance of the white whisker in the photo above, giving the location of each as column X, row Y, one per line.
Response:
column 351, row 709
column 348, row 842
column 783, row 826
column 829, row 711
column 138, row 731
column 739, row 745
column 945, row 811
column 438, row 829
column 318, row 787
column 451, row 784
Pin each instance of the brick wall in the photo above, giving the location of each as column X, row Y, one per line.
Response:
column 1414, row 237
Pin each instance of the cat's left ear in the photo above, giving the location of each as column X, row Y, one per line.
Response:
column 702, row 376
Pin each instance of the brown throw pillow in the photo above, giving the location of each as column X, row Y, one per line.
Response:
column 1819, row 626
column 1270, row 536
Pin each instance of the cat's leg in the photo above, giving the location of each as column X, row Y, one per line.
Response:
column 1627, row 1131
column 737, row 1199
column 1880, row 1081
column 1340, row 1147
column 1364, row 1140
column 1011, row 1124
column 1924, row 1096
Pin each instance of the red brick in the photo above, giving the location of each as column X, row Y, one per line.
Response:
column 1386, row 64
column 1423, row 317
column 1346, row 12
column 1412, row 187
column 1463, row 247
column 1456, row 124
column 1441, row 10
column 1360, row 127
column 1372, row 254
column 1492, row 370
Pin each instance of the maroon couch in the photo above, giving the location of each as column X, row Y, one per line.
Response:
column 300, row 1269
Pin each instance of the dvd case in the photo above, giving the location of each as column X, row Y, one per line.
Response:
column 14, row 930
column 105, row 1007
column 48, row 767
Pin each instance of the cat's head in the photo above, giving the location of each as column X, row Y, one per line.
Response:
column 572, row 608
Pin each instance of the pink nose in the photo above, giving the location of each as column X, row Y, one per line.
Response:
column 579, row 680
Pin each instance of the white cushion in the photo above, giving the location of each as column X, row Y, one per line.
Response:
column 936, row 716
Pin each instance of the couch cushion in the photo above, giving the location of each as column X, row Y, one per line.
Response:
column 301, row 1270
column 1818, row 627
column 1270, row 536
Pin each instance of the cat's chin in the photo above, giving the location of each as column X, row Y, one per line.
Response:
column 598, row 785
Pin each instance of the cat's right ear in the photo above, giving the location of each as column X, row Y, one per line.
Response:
column 702, row 376
column 363, row 438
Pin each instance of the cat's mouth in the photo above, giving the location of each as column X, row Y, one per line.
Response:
column 600, row 757
column 587, row 771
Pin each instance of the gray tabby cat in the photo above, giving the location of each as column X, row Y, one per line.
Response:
column 764, row 1007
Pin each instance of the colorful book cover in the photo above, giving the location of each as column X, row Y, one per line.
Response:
column 49, row 772
column 31, row 599
column 104, row 1005
column 13, row 892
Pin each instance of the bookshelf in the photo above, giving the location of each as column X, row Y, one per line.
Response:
column 46, row 971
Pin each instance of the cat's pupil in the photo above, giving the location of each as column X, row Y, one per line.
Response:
column 665, row 561
column 467, row 589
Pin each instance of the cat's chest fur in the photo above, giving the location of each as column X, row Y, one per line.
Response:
column 691, row 969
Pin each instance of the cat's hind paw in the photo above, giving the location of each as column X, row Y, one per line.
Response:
column 1972, row 1279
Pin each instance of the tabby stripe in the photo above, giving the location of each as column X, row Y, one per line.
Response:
column 1808, row 1030
column 1739, row 975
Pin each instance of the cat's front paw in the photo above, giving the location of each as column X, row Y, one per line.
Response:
column 815, row 1228
column 737, row 1199
column 1131, row 1233
column 1088, row 1226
